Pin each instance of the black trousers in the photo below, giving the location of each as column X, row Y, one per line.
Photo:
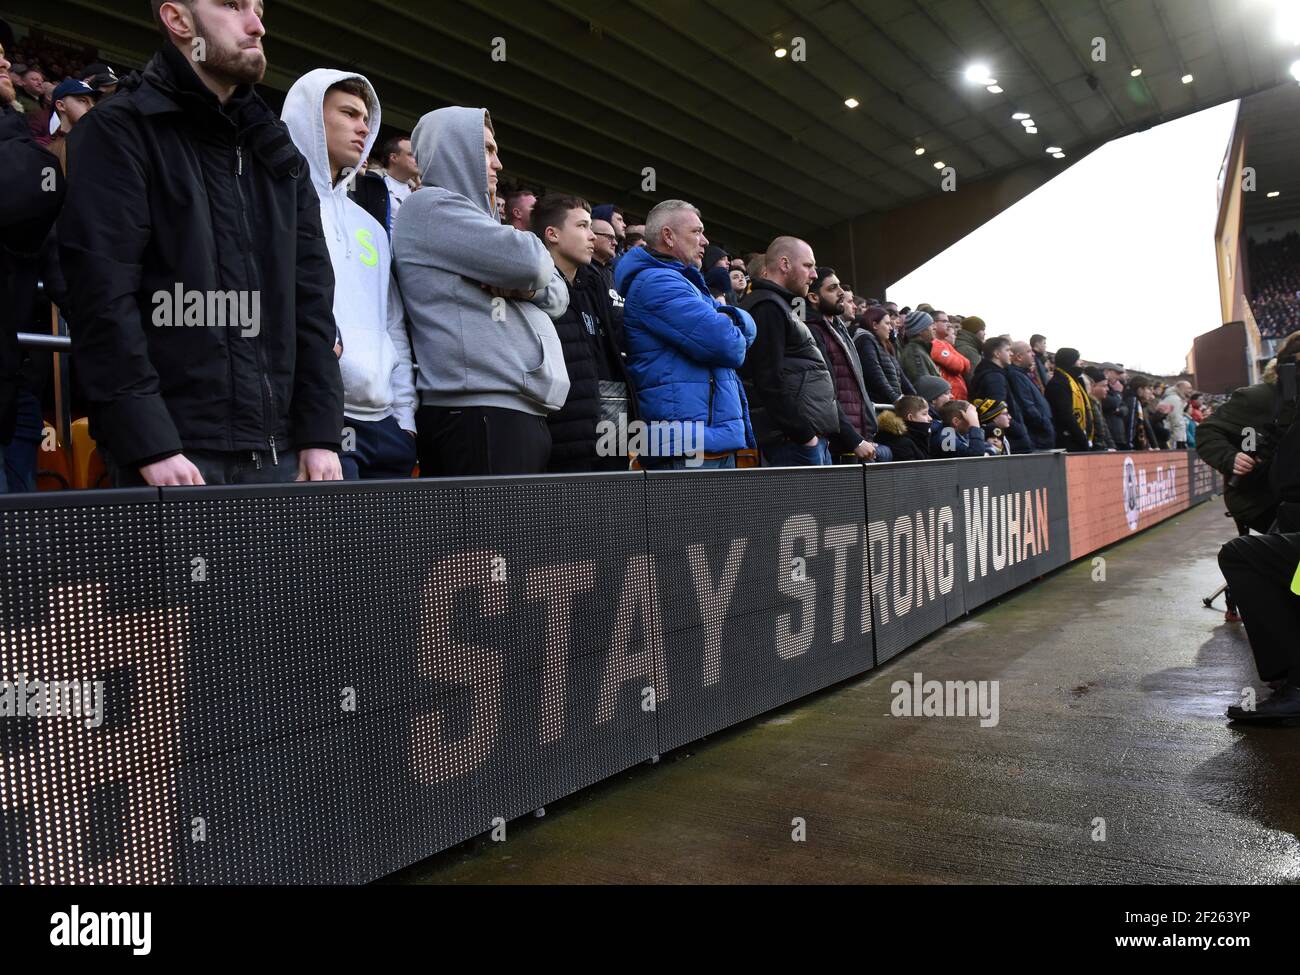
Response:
column 1259, row 569
column 473, row 441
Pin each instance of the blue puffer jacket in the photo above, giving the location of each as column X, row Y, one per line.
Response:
column 683, row 350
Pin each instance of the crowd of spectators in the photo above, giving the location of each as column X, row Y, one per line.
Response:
column 345, row 306
column 1275, row 285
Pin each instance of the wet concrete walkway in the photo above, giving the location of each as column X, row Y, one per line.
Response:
column 1110, row 708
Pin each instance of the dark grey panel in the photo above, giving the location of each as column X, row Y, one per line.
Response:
column 787, row 628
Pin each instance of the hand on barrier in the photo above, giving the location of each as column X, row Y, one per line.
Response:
column 865, row 450
column 175, row 471
column 315, row 464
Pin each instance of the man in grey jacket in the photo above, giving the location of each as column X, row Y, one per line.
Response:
column 1177, row 396
column 481, row 298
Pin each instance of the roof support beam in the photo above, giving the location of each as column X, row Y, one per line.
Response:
column 1128, row 57
column 1173, row 45
column 929, row 73
column 900, row 98
column 1024, row 55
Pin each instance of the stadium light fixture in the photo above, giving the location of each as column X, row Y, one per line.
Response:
column 1274, row 194
column 938, row 164
column 1053, row 149
column 1295, row 71
column 1031, row 130
column 1136, row 72
column 1027, row 123
column 979, row 74
column 780, row 52
column 1188, row 79
column 1020, row 116
column 919, row 150
column 1058, row 155
column 851, row 102
column 994, row 89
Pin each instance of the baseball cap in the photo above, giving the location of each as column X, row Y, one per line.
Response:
column 66, row 87
column 98, row 76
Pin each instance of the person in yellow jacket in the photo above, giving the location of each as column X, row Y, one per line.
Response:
column 1067, row 395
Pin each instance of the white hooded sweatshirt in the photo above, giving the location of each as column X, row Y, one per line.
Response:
column 378, row 376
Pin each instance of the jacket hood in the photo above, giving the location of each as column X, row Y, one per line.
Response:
column 891, row 423
column 448, row 146
column 304, row 114
column 640, row 259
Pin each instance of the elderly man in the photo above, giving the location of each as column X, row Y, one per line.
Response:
column 1036, row 413
column 683, row 349
column 1176, row 398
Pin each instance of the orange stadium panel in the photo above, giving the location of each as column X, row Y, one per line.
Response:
column 1112, row 496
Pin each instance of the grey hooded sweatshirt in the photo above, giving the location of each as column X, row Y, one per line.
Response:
column 447, row 241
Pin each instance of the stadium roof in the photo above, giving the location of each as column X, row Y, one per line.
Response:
column 591, row 92
column 1272, row 126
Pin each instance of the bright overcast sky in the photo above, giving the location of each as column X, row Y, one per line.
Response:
column 1114, row 257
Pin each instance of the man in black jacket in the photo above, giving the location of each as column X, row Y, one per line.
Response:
column 1112, row 405
column 29, row 204
column 992, row 381
column 791, row 394
column 597, row 378
column 1138, row 434
column 192, row 244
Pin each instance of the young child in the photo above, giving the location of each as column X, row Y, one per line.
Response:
column 994, row 418
column 906, row 428
column 959, row 433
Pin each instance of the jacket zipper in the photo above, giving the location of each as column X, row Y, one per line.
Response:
column 713, row 385
column 268, row 400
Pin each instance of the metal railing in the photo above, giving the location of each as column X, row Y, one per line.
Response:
column 34, row 340
column 59, row 344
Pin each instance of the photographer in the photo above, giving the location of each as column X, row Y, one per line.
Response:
column 1240, row 439
column 1264, row 492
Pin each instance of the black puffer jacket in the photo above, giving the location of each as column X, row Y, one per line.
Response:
column 881, row 370
column 29, row 203
column 171, row 190
column 585, row 329
column 789, row 387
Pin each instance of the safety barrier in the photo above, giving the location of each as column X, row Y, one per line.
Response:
column 324, row 683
